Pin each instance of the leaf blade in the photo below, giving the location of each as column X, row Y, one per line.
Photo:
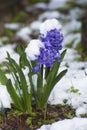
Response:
column 3, row 78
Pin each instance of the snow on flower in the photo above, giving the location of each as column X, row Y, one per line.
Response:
column 5, row 99
column 33, row 49
column 46, row 50
column 49, row 25
column 52, row 38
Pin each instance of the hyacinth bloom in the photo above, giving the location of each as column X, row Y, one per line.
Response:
column 47, row 57
column 46, row 50
column 53, row 39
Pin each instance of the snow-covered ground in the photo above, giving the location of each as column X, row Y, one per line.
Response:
column 76, row 76
column 67, row 124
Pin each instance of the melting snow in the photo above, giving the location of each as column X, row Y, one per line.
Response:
column 13, row 26
column 5, row 49
column 24, row 33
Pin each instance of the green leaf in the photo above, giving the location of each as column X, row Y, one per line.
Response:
column 39, row 92
column 52, row 73
column 39, row 84
column 59, row 77
column 48, row 88
column 51, row 79
column 20, row 50
column 14, row 96
column 14, row 72
column 3, row 78
column 63, row 54
column 54, row 70
column 26, row 97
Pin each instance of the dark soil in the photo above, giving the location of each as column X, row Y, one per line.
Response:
column 27, row 122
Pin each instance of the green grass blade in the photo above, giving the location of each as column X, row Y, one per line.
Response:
column 54, row 70
column 52, row 73
column 49, row 87
column 23, row 83
column 39, row 92
column 14, row 96
column 59, row 77
column 3, row 78
column 63, row 54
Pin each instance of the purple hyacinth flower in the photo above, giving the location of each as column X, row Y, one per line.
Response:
column 53, row 39
column 47, row 57
column 52, row 45
column 36, row 68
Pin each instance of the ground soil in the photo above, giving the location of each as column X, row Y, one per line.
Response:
column 53, row 114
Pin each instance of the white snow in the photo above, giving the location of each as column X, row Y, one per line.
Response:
column 76, row 76
column 42, row 6
column 48, row 25
column 70, row 124
column 5, row 99
column 10, row 50
column 24, row 33
column 12, row 26
column 72, row 38
column 72, row 25
column 54, row 4
column 67, row 124
column 46, row 15
column 35, row 25
column 76, row 12
column 35, row 46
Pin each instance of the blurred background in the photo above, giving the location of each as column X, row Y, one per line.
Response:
column 20, row 20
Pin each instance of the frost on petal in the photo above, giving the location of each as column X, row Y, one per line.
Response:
column 5, row 99
column 49, row 25
column 33, row 49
